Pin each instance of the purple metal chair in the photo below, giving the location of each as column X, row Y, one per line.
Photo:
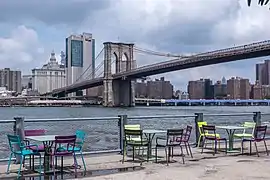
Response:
column 38, row 148
column 259, row 136
column 64, row 146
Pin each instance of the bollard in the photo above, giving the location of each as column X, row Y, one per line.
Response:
column 257, row 116
column 19, row 131
column 121, row 123
column 198, row 118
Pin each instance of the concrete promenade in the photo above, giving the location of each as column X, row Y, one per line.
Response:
column 202, row 167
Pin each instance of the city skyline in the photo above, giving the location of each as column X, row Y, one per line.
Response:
column 181, row 28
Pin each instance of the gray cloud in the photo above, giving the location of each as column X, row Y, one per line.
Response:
column 51, row 12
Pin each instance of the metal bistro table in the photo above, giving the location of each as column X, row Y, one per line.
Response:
column 47, row 141
column 230, row 131
column 150, row 134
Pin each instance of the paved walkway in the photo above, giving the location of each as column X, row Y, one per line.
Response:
column 202, row 166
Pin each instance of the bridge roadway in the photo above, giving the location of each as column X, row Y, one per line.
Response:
column 248, row 51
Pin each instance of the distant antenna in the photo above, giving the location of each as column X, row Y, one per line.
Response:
column 63, row 58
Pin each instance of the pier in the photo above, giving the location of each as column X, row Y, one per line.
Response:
column 104, row 145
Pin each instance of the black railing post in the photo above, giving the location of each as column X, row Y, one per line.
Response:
column 198, row 118
column 19, row 131
column 257, row 116
column 121, row 123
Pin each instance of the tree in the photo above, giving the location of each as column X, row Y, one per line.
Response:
column 260, row 2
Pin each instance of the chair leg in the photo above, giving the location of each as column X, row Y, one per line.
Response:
column 250, row 148
column 76, row 164
column 39, row 165
column 203, row 143
column 167, row 159
column 215, row 147
column 242, row 147
column 9, row 161
column 182, row 154
column 266, row 148
column 199, row 141
column 186, row 148
column 53, row 166
column 190, row 149
column 156, row 153
column 83, row 161
column 256, row 149
column 133, row 153
column 20, row 168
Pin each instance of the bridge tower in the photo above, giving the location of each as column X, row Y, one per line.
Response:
column 118, row 92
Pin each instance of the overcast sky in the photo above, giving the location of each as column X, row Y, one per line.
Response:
column 31, row 29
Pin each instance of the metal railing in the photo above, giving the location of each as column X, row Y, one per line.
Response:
column 102, row 125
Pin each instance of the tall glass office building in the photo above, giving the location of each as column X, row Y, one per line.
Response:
column 80, row 54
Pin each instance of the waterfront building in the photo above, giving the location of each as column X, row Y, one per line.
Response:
column 196, row 89
column 220, row 90
column 51, row 76
column 141, row 89
column 26, row 82
column 245, row 89
column 208, row 89
column 263, row 73
column 233, row 88
column 11, row 80
column 159, row 89
column 80, row 58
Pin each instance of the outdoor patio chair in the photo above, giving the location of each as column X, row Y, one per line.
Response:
column 129, row 141
column 63, row 147
column 209, row 132
column 40, row 147
column 245, row 134
column 18, row 148
column 200, row 124
column 80, row 138
column 259, row 136
column 134, row 138
column 168, row 143
column 185, row 140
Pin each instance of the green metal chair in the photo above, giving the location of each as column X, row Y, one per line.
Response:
column 18, row 148
column 128, row 141
column 244, row 134
column 200, row 124
column 134, row 138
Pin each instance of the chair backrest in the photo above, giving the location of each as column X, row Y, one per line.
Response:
column 260, row 132
column 200, row 124
column 209, row 129
column 249, row 125
column 129, row 133
column 187, row 132
column 15, row 143
column 34, row 132
column 80, row 137
column 64, row 142
column 173, row 134
column 133, row 126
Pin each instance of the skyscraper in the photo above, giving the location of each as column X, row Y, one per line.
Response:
column 263, row 73
column 80, row 58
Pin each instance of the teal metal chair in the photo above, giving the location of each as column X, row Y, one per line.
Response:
column 80, row 138
column 18, row 148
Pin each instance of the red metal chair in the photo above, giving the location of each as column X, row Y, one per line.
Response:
column 209, row 129
column 259, row 136
column 64, row 146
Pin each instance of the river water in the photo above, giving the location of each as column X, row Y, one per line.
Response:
column 103, row 135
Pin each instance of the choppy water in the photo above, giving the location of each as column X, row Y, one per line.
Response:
column 105, row 134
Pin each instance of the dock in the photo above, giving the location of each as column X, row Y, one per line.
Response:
column 201, row 167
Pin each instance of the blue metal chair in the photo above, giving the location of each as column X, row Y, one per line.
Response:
column 80, row 137
column 18, row 148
